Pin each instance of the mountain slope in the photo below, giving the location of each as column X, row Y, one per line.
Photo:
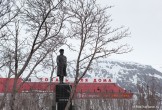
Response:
column 126, row 74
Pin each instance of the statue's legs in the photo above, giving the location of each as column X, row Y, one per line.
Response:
column 61, row 79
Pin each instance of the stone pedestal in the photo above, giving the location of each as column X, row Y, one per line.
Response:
column 62, row 96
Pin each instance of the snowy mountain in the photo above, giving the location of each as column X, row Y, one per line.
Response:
column 126, row 74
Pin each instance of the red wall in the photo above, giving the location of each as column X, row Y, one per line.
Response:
column 96, row 89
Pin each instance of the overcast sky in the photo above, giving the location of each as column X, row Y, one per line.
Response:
column 144, row 19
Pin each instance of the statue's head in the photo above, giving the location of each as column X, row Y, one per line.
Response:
column 61, row 51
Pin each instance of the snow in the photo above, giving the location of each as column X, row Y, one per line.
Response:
column 134, row 79
column 158, row 76
column 158, row 67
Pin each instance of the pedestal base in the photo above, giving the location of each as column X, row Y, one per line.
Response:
column 62, row 96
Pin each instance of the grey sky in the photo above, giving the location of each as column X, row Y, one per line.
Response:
column 144, row 18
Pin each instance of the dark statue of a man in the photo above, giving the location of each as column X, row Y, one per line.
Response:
column 61, row 65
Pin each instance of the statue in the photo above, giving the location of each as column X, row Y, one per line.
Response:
column 61, row 65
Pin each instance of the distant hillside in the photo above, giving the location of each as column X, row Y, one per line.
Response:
column 126, row 74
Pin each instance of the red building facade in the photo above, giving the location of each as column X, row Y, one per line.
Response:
column 87, row 88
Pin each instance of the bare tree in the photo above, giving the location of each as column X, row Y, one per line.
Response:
column 32, row 38
column 8, row 11
column 90, row 28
